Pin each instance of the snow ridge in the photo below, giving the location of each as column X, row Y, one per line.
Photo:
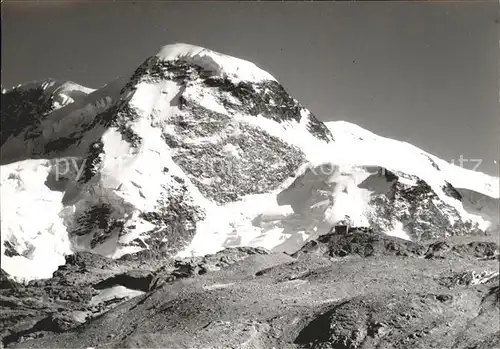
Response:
column 218, row 63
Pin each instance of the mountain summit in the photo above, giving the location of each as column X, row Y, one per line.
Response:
column 196, row 151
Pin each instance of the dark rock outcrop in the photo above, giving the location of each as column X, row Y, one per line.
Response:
column 361, row 242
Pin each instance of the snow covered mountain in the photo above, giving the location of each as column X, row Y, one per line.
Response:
column 196, row 151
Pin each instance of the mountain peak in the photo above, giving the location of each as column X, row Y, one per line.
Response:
column 216, row 62
column 196, row 151
column 52, row 86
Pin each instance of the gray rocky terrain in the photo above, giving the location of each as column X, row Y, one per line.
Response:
column 355, row 289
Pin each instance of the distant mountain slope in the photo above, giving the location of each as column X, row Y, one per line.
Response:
column 365, row 147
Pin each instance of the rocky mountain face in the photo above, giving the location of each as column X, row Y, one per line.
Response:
column 136, row 165
column 173, row 205
column 26, row 109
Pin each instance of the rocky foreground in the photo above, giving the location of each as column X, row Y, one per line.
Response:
column 354, row 289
